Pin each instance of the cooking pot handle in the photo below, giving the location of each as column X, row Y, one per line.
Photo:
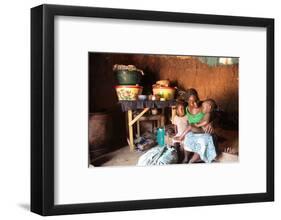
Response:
column 142, row 73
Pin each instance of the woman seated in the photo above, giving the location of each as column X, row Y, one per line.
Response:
column 195, row 138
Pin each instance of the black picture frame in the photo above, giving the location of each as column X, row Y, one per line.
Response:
column 42, row 109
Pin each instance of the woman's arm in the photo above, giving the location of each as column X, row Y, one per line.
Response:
column 206, row 125
column 209, row 128
column 205, row 120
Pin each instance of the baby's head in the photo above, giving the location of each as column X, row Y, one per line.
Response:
column 208, row 106
column 180, row 109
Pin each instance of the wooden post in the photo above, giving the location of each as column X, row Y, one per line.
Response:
column 131, row 138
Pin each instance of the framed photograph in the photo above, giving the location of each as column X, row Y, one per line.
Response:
column 136, row 109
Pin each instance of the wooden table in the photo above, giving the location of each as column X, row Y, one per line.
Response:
column 130, row 106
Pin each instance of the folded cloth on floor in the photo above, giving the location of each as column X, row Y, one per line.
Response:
column 201, row 144
column 169, row 156
column 159, row 156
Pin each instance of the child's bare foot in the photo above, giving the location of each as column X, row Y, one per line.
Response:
column 194, row 158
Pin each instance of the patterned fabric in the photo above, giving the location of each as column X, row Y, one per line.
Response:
column 201, row 144
column 158, row 156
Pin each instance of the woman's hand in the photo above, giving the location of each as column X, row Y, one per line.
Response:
column 196, row 125
column 209, row 128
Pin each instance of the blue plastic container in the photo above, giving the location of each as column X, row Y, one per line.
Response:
column 161, row 137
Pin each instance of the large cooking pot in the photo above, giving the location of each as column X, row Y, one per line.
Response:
column 127, row 75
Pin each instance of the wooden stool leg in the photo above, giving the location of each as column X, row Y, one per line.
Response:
column 131, row 138
column 158, row 123
column 138, row 128
column 162, row 117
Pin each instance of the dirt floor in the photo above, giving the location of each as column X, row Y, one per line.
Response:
column 120, row 157
column 125, row 157
column 226, row 140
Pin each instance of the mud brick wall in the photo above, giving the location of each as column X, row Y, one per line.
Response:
column 217, row 82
